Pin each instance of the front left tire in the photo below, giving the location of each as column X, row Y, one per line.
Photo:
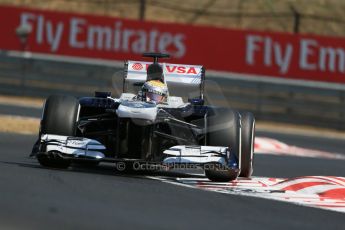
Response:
column 247, row 146
column 224, row 130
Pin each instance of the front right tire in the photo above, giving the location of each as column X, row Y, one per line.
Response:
column 60, row 114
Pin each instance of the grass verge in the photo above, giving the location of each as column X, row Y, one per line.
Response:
column 19, row 124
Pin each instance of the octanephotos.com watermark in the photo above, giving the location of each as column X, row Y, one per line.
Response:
column 140, row 166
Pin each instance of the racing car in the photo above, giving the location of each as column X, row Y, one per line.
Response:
column 133, row 129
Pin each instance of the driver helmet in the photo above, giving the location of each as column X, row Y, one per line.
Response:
column 154, row 91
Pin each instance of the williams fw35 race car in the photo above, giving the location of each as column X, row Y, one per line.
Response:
column 147, row 125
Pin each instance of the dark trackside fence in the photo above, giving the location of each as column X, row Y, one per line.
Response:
column 281, row 101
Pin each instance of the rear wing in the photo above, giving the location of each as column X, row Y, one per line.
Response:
column 194, row 75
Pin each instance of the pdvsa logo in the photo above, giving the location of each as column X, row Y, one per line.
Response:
column 137, row 66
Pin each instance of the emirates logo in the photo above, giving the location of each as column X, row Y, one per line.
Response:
column 137, row 66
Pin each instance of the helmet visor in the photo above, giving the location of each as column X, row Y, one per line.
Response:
column 153, row 97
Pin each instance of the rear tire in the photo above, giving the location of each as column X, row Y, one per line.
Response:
column 59, row 117
column 248, row 135
column 224, row 130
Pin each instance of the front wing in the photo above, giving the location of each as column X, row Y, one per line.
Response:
column 85, row 148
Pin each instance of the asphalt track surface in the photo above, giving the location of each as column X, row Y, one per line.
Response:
column 32, row 197
column 20, row 111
